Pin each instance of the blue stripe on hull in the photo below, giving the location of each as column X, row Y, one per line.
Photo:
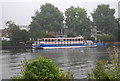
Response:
column 62, row 46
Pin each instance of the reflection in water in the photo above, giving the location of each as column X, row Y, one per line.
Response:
column 77, row 62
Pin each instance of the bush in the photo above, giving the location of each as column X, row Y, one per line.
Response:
column 105, row 38
column 104, row 70
column 6, row 43
column 41, row 69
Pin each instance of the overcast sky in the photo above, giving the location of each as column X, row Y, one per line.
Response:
column 20, row 11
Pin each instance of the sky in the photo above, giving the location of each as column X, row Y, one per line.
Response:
column 20, row 11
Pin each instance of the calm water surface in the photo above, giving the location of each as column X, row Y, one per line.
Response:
column 77, row 62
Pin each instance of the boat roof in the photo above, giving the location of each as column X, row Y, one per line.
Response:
column 66, row 38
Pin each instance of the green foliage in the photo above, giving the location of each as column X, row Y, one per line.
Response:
column 6, row 43
column 16, row 35
column 20, row 36
column 77, row 20
column 105, row 38
column 118, row 35
column 71, row 34
column 41, row 69
column 37, row 33
column 48, row 18
column 104, row 19
column 104, row 70
column 115, row 34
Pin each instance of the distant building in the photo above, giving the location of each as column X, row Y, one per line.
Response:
column 65, row 29
column 5, row 38
column 4, row 34
column 93, row 32
column 24, row 27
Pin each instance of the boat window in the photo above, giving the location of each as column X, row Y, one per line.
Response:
column 58, row 39
column 78, row 39
column 52, row 40
column 42, row 39
column 72, row 39
column 45, row 40
column 81, row 39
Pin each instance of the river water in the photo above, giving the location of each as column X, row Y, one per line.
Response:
column 78, row 61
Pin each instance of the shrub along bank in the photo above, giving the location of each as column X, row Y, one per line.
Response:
column 41, row 69
column 105, row 71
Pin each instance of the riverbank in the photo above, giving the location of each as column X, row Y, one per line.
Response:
column 13, row 47
column 112, row 44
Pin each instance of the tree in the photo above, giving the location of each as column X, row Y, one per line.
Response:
column 104, row 19
column 20, row 36
column 16, row 35
column 36, row 31
column 77, row 20
column 119, row 34
column 48, row 18
column 118, row 22
column 11, row 27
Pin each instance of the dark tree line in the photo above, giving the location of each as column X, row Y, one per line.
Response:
column 15, row 34
column 50, row 19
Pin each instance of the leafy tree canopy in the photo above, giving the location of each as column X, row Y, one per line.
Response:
column 48, row 18
column 104, row 19
column 16, row 35
column 77, row 20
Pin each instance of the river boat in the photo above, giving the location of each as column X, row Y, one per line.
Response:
column 58, row 43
